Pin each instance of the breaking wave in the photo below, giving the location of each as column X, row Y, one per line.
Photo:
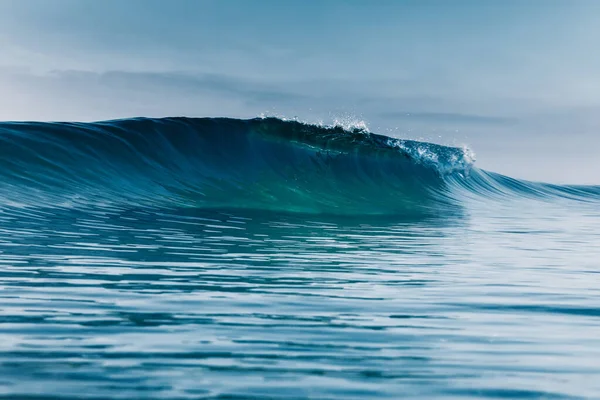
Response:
column 258, row 164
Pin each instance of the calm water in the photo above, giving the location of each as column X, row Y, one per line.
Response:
column 496, row 298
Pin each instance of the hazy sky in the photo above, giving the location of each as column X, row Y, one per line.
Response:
column 518, row 81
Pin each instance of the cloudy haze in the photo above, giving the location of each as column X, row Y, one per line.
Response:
column 518, row 81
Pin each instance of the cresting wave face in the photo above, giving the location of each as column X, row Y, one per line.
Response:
column 263, row 164
column 221, row 163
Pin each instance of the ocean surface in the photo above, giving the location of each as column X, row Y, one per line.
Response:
column 232, row 259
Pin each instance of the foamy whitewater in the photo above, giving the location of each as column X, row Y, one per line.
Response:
column 217, row 258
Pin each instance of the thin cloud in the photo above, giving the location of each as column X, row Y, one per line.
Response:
column 444, row 117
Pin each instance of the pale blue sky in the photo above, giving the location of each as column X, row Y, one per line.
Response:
column 518, row 81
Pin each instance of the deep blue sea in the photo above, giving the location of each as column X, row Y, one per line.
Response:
column 232, row 259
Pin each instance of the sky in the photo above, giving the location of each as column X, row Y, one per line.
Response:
column 516, row 81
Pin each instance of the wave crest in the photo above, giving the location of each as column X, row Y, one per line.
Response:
column 263, row 163
column 217, row 163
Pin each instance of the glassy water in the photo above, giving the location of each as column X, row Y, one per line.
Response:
column 496, row 297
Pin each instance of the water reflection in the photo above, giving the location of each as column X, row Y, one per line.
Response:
column 188, row 304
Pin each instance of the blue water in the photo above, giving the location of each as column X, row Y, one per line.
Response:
column 268, row 259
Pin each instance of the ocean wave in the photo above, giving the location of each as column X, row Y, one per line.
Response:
column 261, row 164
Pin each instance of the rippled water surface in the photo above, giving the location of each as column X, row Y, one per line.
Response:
column 494, row 301
column 264, row 259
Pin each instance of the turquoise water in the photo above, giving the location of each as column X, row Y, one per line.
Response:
column 264, row 259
